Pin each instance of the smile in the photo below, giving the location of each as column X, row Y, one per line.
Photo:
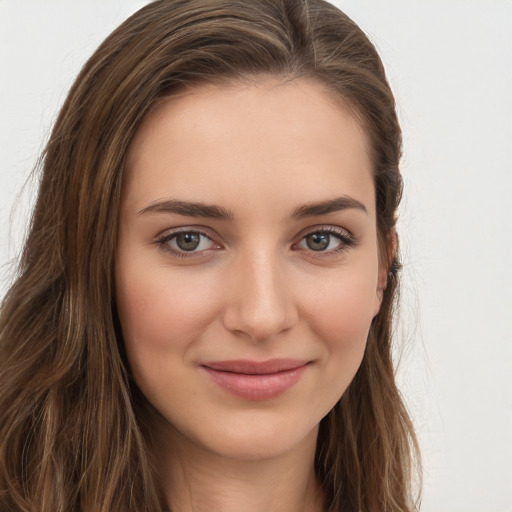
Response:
column 254, row 380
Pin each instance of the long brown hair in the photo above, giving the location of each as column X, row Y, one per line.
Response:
column 70, row 435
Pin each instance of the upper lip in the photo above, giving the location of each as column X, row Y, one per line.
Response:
column 250, row 367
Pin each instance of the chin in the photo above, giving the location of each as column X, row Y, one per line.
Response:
column 249, row 437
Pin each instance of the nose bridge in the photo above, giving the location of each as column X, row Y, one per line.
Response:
column 260, row 303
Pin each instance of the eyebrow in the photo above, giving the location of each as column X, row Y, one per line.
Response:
column 189, row 209
column 325, row 207
column 195, row 209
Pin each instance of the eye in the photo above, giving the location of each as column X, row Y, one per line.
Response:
column 186, row 243
column 327, row 240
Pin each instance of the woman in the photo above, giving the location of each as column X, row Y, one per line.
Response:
column 203, row 315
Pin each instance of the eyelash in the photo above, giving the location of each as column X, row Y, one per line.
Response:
column 346, row 239
column 163, row 243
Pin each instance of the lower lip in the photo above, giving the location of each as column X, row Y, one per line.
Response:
column 256, row 387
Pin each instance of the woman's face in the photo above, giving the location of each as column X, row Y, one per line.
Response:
column 247, row 266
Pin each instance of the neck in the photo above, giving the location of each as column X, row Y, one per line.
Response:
column 195, row 479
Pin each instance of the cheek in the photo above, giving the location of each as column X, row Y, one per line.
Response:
column 342, row 310
column 340, row 314
column 162, row 314
column 347, row 318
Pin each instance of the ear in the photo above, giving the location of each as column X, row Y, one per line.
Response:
column 386, row 256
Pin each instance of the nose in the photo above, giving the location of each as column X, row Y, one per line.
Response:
column 261, row 303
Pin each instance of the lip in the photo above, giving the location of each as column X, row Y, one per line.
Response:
column 255, row 380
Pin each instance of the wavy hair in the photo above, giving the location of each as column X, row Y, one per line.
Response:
column 71, row 436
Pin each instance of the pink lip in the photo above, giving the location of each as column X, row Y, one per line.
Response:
column 256, row 380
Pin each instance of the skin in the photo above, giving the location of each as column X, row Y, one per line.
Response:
column 252, row 289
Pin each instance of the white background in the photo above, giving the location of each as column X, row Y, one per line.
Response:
column 450, row 65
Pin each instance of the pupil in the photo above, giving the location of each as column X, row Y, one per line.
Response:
column 318, row 241
column 188, row 241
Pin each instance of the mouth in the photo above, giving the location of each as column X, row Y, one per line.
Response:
column 256, row 380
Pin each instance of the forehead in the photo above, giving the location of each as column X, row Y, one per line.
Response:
column 273, row 140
